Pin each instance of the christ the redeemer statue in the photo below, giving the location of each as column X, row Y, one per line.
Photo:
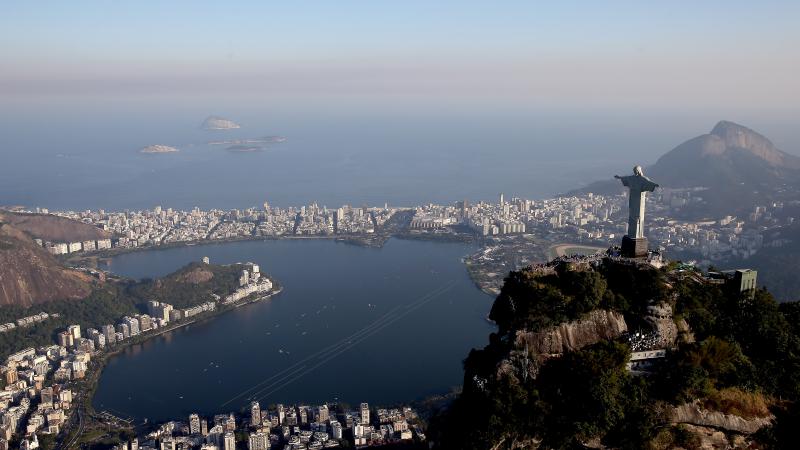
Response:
column 634, row 244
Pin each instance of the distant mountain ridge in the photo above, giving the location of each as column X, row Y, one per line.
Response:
column 729, row 154
column 734, row 162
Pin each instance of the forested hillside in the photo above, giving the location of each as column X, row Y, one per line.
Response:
column 555, row 374
column 109, row 301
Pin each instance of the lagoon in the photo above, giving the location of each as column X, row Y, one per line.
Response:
column 382, row 325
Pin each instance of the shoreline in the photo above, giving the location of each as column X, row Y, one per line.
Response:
column 374, row 241
column 88, row 386
column 86, row 415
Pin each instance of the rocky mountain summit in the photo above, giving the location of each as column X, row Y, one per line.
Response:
column 736, row 166
column 730, row 154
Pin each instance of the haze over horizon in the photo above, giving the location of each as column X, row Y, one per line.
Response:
column 541, row 97
column 627, row 54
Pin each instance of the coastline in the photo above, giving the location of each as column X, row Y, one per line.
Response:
column 82, row 258
column 485, row 280
column 86, row 418
column 87, row 387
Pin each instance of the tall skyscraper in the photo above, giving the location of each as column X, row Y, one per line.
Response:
column 255, row 414
column 303, row 413
column 365, row 413
column 229, row 441
column 336, row 429
column 110, row 334
column 230, row 423
column 258, row 441
column 194, row 424
column 502, row 199
column 215, row 435
column 322, row 414
column 75, row 331
column 281, row 414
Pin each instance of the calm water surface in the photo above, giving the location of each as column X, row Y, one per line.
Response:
column 354, row 324
column 78, row 152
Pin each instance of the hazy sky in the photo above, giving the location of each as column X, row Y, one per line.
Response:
column 633, row 53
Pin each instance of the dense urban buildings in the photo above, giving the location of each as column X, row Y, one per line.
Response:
column 599, row 219
column 39, row 382
column 291, row 427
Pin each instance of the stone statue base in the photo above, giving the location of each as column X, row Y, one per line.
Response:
column 634, row 248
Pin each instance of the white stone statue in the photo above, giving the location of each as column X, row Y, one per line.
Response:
column 639, row 186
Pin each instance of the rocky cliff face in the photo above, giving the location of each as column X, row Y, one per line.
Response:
column 734, row 136
column 659, row 317
column 691, row 413
column 53, row 228
column 728, row 155
column 30, row 275
column 597, row 325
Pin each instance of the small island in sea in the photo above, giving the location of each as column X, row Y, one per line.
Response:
column 244, row 148
column 261, row 140
column 158, row 148
column 219, row 123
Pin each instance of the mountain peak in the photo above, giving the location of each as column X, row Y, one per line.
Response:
column 724, row 127
column 741, row 137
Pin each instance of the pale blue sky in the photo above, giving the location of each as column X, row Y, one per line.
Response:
column 590, row 52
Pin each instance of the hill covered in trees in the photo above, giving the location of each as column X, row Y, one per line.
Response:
column 108, row 301
column 724, row 366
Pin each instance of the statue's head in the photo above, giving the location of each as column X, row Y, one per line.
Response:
column 637, row 170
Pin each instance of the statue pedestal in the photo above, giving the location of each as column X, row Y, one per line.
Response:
column 634, row 248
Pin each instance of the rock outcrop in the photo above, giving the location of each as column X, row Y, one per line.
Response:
column 596, row 326
column 53, row 228
column 30, row 275
column 692, row 413
column 712, row 438
column 659, row 317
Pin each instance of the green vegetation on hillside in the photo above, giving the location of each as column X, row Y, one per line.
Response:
column 110, row 301
column 190, row 285
column 745, row 360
